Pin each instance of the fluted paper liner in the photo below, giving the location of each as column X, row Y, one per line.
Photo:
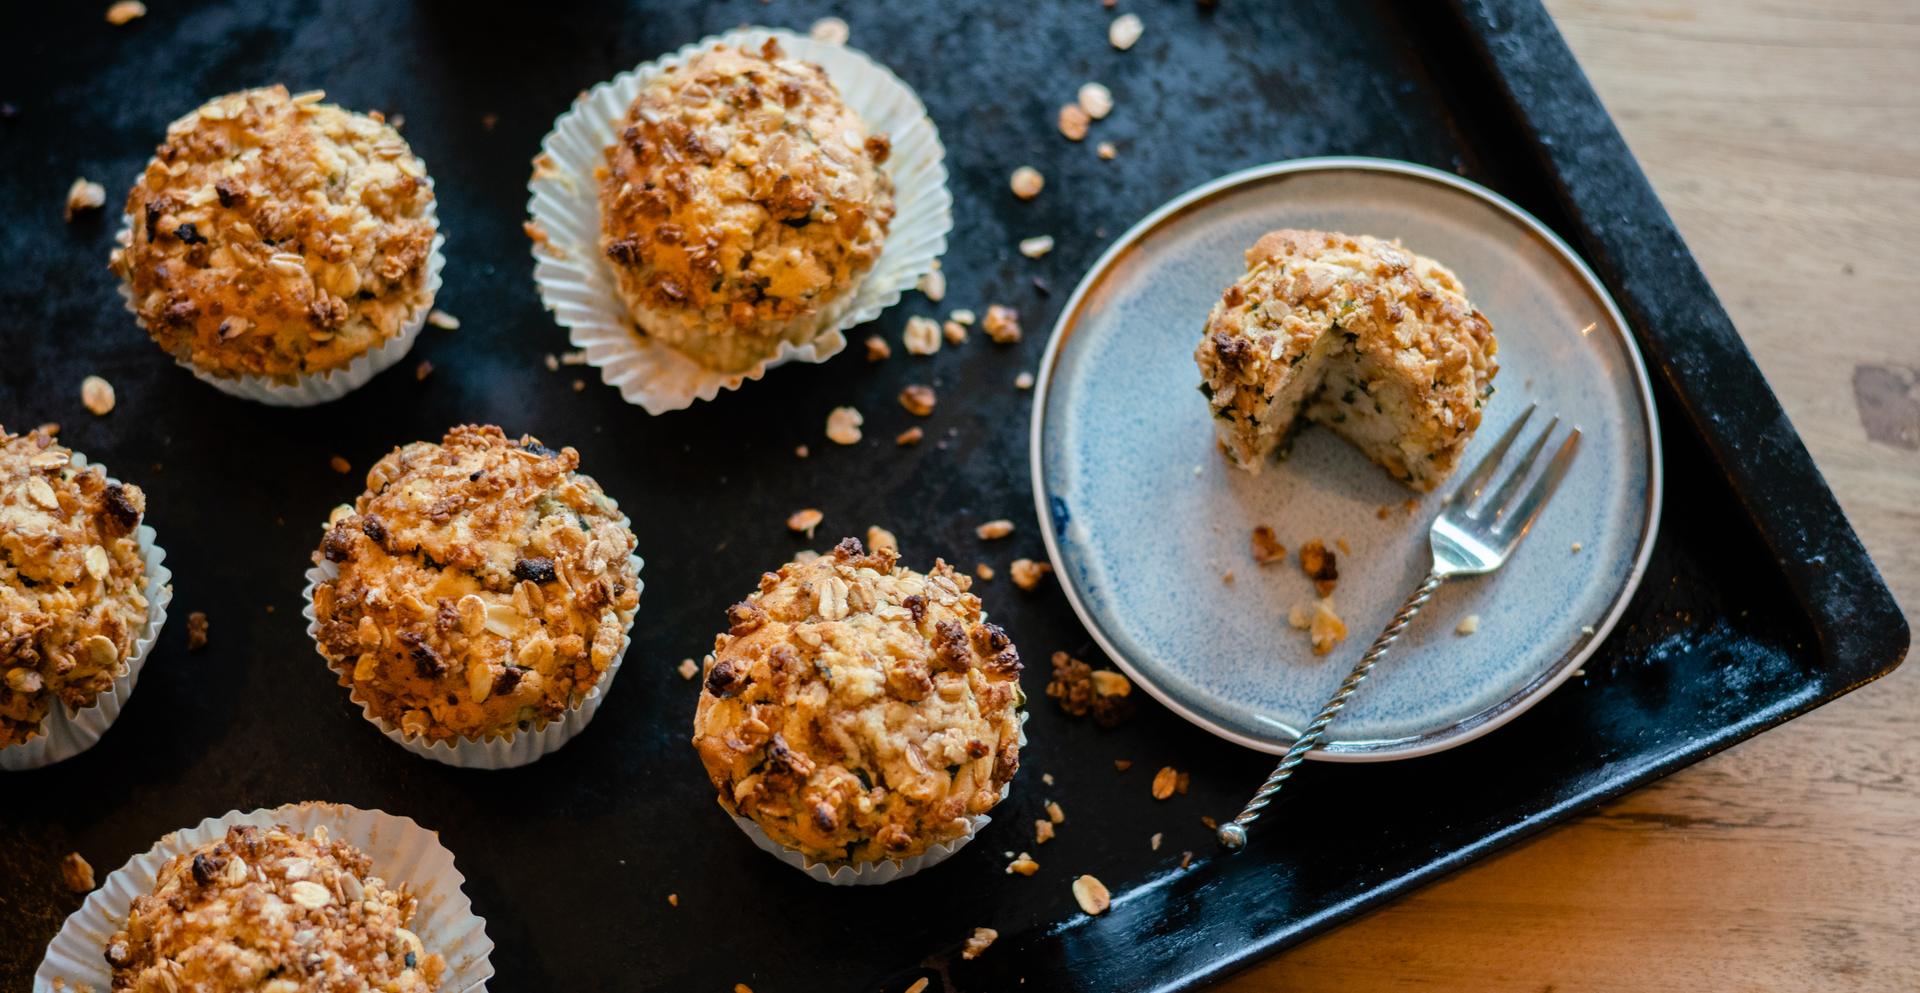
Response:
column 318, row 387
column 576, row 284
column 65, row 734
column 402, row 852
column 506, row 751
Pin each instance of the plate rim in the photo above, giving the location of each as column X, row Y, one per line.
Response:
column 1524, row 696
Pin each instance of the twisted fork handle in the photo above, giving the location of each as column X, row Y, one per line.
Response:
column 1233, row 834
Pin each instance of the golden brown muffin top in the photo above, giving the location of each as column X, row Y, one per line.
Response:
column 860, row 711
column 71, row 581
column 274, row 912
column 1406, row 311
column 277, row 236
column 483, row 586
column 742, row 196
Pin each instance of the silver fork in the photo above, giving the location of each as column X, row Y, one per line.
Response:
column 1465, row 542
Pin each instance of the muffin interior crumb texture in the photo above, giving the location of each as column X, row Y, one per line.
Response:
column 273, row 911
column 742, row 205
column 71, row 582
column 277, row 236
column 484, row 586
column 1361, row 335
column 858, row 710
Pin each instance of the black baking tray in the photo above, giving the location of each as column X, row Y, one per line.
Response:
column 1759, row 603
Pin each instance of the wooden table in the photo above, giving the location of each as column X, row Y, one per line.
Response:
column 1784, row 137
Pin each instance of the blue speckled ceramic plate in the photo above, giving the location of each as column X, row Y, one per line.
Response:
column 1147, row 517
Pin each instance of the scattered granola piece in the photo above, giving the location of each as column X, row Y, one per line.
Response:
column 1209, row 822
column 423, row 370
column 673, row 899
column 1186, row 859
column 1107, row 682
column 442, row 319
column 553, row 362
column 574, row 358
column 742, row 988
column 1468, row 625
column 919, row 985
column 955, row 331
column 994, row 529
column 340, row 465
column 1107, row 151
column 805, row 520
column 1410, row 506
column 1027, row 573
column 77, row 873
column 1124, row 31
column 1383, row 512
column 918, row 400
column 984, row 571
column 96, row 395
column 910, row 436
column 1054, row 814
column 1072, row 684
column 1027, row 182
column 982, row 937
column 932, row 284
column 1576, row 546
column 1163, row 782
column 579, row 385
column 487, row 121
column 1265, row 548
column 196, row 631
column 689, row 668
column 1002, row 324
column 1024, row 381
column 962, row 317
column 84, row 196
column 1180, row 783
column 830, row 30
column 1318, row 564
column 1342, row 542
column 801, row 451
column 534, row 231
column 1091, row 894
column 1096, row 100
column 878, row 349
column 1042, row 831
column 1074, row 121
column 120, row 13
column 1033, row 248
column 879, row 537
column 1322, row 625
column 1023, row 865
column 1586, row 629
column 922, row 336
column 1227, row 577
column 843, row 426
column 1122, row 765
column 1047, row 778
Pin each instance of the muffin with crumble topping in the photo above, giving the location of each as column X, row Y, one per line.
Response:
column 742, row 205
column 857, row 711
column 479, row 588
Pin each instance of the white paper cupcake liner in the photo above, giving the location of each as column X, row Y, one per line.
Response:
column 507, row 751
column 577, row 285
column 401, row 851
column 64, row 734
column 319, row 387
column 873, row 873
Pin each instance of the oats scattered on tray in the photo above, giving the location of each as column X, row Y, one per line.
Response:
column 843, row 426
column 1468, row 625
column 1047, row 778
column 1091, row 895
column 1208, row 822
column 1024, row 381
column 1186, row 859
column 1107, row 151
column 962, row 317
column 1024, row 865
column 573, row 358
column 1180, row 783
column 1096, row 100
column 76, row 873
column 1588, row 629
column 932, row 284
column 84, row 196
column 423, row 370
column 1002, row 324
column 1054, row 813
column 994, row 529
column 196, row 631
column 830, row 30
column 1154, row 842
column 1027, row 573
column 1124, row 31
column 1163, row 782
column 1027, row 182
column 878, row 349
column 1042, row 831
column 879, row 537
column 552, row 362
column 801, row 451
column 689, row 668
column 1576, row 546
column 1322, row 625
column 922, row 336
column 910, row 436
column 340, row 465
column 955, row 331
column 1383, row 512
column 919, row 985
column 1265, row 548
column 984, row 571
column 1319, row 565
column 124, row 11
column 917, row 400
column 1122, row 765
column 673, row 899
column 742, row 988
column 1227, row 577
column 1410, row 506
column 982, row 938
column 579, row 385
column 1033, row 248
column 443, row 320
column 805, row 520
column 1074, row 121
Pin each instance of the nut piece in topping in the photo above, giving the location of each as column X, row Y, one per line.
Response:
column 879, row 537
column 84, row 196
column 994, row 529
column 932, row 284
column 1023, row 865
column 125, row 11
column 1124, row 31
column 1002, row 324
column 831, row 30
column 984, row 571
column 1106, row 150
column 1468, row 625
column 910, row 436
column 1024, row 381
column 1042, row 832
column 96, row 395
column 1322, row 625
column 918, row 400
column 922, row 336
column 1318, row 564
column 1096, row 100
column 878, row 349
column 443, row 320
column 689, row 668
column 196, row 631
column 1033, row 248
column 982, row 938
column 1089, row 892
column 1027, row 573
column 76, row 873
column 1266, row 548
column 1073, row 121
column 843, row 426
column 955, row 332
column 1027, row 182
column 1164, row 782
column 805, row 520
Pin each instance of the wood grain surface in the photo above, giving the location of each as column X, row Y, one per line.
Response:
column 1784, row 138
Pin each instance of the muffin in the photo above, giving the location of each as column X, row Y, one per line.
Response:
column 272, row 911
column 275, row 236
column 742, row 206
column 483, row 587
column 1358, row 334
column 71, row 581
column 857, row 711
